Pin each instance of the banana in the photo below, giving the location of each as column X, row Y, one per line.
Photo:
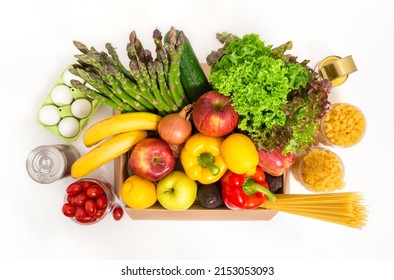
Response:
column 105, row 152
column 118, row 124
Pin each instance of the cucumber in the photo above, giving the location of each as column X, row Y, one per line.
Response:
column 193, row 78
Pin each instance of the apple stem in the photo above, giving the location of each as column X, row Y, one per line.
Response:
column 207, row 160
column 158, row 161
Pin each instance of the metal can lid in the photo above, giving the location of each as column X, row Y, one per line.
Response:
column 336, row 69
column 46, row 164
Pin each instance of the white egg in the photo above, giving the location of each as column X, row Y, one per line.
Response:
column 68, row 127
column 49, row 115
column 61, row 95
column 68, row 76
column 81, row 108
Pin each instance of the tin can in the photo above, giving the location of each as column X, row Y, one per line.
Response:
column 49, row 163
column 336, row 69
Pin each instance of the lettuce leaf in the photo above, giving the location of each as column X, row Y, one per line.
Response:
column 269, row 91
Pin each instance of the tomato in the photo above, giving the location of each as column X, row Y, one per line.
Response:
column 86, row 202
column 90, row 207
column 80, row 199
column 86, row 185
column 86, row 219
column 101, row 201
column 80, row 212
column 70, row 198
column 117, row 213
column 68, row 209
column 94, row 191
column 99, row 213
column 74, row 188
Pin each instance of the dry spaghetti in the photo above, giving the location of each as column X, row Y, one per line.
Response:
column 341, row 208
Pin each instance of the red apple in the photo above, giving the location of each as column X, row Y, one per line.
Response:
column 214, row 115
column 275, row 162
column 152, row 159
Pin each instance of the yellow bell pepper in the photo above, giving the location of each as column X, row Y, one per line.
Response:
column 201, row 158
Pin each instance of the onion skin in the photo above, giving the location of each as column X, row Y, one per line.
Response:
column 176, row 128
column 176, row 149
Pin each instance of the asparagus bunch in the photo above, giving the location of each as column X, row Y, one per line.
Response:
column 150, row 84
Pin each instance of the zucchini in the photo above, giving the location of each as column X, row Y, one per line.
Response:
column 193, row 78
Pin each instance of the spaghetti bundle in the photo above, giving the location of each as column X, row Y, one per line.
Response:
column 341, row 208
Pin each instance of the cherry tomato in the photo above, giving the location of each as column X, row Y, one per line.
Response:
column 74, row 188
column 90, row 207
column 80, row 212
column 86, row 201
column 80, row 199
column 68, row 209
column 117, row 213
column 99, row 213
column 94, row 191
column 86, row 185
column 101, row 201
column 86, row 219
column 70, row 198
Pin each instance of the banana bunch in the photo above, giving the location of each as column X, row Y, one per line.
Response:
column 125, row 131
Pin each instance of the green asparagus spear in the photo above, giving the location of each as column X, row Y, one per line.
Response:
column 118, row 63
column 105, row 67
column 177, row 93
column 81, row 47
column 138, row 54
column 130, row 88
column 118, row 90
column 142, row 86
column 90, row 59
column 131, row 50
column 137, row 45
column 163, row 86
column 155, row 89
column 142, row 66
column 95, row 95
column 161, row 53
column 95, row 81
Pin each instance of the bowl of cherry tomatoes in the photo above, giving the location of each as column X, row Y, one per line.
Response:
column 88, row 200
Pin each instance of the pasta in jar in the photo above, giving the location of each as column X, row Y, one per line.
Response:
column 343, row 125
column 321, row 170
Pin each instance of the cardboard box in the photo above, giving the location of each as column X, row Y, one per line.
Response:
column 195, row 212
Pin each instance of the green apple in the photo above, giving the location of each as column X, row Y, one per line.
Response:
column 176, row 191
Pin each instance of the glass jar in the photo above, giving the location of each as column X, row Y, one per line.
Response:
column 319, row 170
column 78, row 201
column 344, row 125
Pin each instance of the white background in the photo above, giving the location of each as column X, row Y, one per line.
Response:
column 36, row 45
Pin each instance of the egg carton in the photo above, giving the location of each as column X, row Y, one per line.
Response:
column 66, row 111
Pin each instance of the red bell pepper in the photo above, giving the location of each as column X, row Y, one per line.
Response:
column 243, row 191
